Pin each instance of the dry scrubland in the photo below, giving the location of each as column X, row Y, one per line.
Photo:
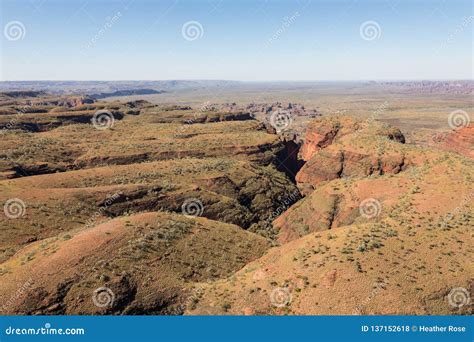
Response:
column 368, row 225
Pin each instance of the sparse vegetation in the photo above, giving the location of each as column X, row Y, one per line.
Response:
column 105, row 209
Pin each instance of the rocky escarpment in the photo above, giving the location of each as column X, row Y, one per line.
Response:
column 338, row 147
column 43, row 99
column 136, row 213
column 382, row 230
column 349, row 151
column 23, row 93
column 288, row 160
column 126, row 92
column 256, row 109
column 325, row 131
column 164, row 134
column 68, row 102
column 189, row 116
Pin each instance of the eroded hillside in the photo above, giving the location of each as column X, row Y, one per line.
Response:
column 385, row 228
column 134, row 208
column 126, row 195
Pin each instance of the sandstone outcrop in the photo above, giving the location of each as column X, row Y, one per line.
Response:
column 392, row 241
column 460, row 141
column 337, row 147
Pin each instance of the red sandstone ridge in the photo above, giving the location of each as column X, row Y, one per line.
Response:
column 346, row 163
column 460, row 141
column 337, row 147
column 323, row 132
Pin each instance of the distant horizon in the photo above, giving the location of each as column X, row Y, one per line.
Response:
column 244, row 81
column 248, row 41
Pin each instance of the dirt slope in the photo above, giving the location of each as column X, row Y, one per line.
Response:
column 363, row 243
column 146, row 261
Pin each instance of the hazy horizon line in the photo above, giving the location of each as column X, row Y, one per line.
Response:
column 245, row 81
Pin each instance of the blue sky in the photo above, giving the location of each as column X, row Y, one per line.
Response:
column 238, row 40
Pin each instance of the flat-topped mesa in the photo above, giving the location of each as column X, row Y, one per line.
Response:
column 458, row 87
column 189, row 116
column 68, row 101
column 337, row 147
column 126, row 92
column 42, row 98
column 24, row 93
